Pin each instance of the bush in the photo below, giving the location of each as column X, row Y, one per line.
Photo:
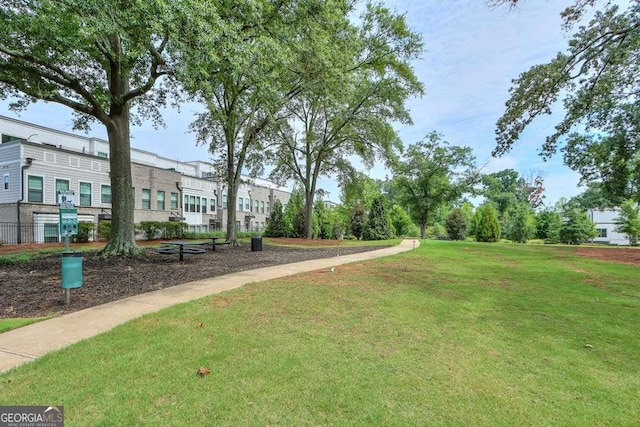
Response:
column 577, row 227
column 456, row 225
column 487, row 224
column 151, row 230
column 276, row 226
column 104, row 230
column 85, row 232
column 401, row 222
column 521, row 224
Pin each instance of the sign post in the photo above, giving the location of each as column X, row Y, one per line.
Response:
column 71, row 264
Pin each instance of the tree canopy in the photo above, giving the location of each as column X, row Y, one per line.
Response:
column 597, row 78
column 105, row 60
column 362, row 78
column 430, row 173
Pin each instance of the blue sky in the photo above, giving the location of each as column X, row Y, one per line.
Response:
column 472, row 53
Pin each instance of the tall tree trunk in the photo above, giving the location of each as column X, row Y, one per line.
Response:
column 233, row 182
column 308, row 213
column 122, row 235
column 423, row 230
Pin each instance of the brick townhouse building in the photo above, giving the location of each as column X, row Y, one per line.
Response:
column 36, row 162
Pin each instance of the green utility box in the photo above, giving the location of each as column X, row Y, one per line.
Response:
column 71, row 270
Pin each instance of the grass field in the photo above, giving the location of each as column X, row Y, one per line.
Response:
column 448, row 334
column 13, row 323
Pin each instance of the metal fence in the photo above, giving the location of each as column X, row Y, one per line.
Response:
column 12, row 233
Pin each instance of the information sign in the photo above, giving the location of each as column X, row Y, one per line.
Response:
column 68, row 221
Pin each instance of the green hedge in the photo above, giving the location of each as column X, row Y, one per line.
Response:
column 151, row 230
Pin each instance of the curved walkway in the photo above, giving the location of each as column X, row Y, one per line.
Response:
column 30, row 342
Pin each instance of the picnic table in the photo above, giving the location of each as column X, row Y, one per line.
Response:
column 182, row 247
column 224, row 241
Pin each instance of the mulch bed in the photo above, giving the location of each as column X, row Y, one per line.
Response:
column 624, row 255
column 32, row 289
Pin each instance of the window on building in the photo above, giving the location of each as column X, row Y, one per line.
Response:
column 105, row 193
column 261, row 207
column 50, row 233
column 247, row 205
column 103, row 155
column 204, row 205
column 62, row 185
column 213, row 205
column 160, row 200
column 268, row 208
column 240, row 203
column 5, row 181
column 192, row 203
column 237, row 225
column 8, row 138
column 35, row 189
column 174, row 200
column 197, row 204
column 256, row 206
column 602, row 232
column 224, row 201
column 85, row 194
column 146, row 199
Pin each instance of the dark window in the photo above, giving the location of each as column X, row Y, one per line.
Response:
column 602, row 232
column 146, row 199
column 105, row 194
column 174, row 200
column 62, row 185
column 50, row 233
column 85, row 194
column 160, row 200
column 34, row 184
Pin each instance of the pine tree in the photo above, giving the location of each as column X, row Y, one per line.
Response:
column 456, row 225
column 377, row 225
column 487, row 224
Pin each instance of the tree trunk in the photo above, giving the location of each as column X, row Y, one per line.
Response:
column 423, row 230
column 122, row 236
column 232, row 232
column 308, row 214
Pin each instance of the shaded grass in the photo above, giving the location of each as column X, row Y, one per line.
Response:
column 451, row 333
column 9, row 324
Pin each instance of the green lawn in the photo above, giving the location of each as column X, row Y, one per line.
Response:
column 8, row 324
column 448, row 334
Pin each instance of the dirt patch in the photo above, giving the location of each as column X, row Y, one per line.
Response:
column 624, row 255
column 32, row 289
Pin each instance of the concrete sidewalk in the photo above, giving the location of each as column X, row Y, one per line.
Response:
column 30, row 342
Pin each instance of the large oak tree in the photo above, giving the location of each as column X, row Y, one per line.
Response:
column 360, row 79
column 106, row 60
column 430, row 174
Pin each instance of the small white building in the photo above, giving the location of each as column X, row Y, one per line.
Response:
column 605, row 220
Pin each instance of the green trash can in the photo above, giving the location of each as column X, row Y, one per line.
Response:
column 71, row 270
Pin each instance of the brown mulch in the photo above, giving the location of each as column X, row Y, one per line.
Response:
column 32, row 289
column 624, row 255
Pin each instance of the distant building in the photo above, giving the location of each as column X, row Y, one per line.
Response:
column 36, row 162
column 329, row 204
column 605, row 220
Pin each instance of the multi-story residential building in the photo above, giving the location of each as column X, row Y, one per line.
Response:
column 36, row 162
column 605, row 220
